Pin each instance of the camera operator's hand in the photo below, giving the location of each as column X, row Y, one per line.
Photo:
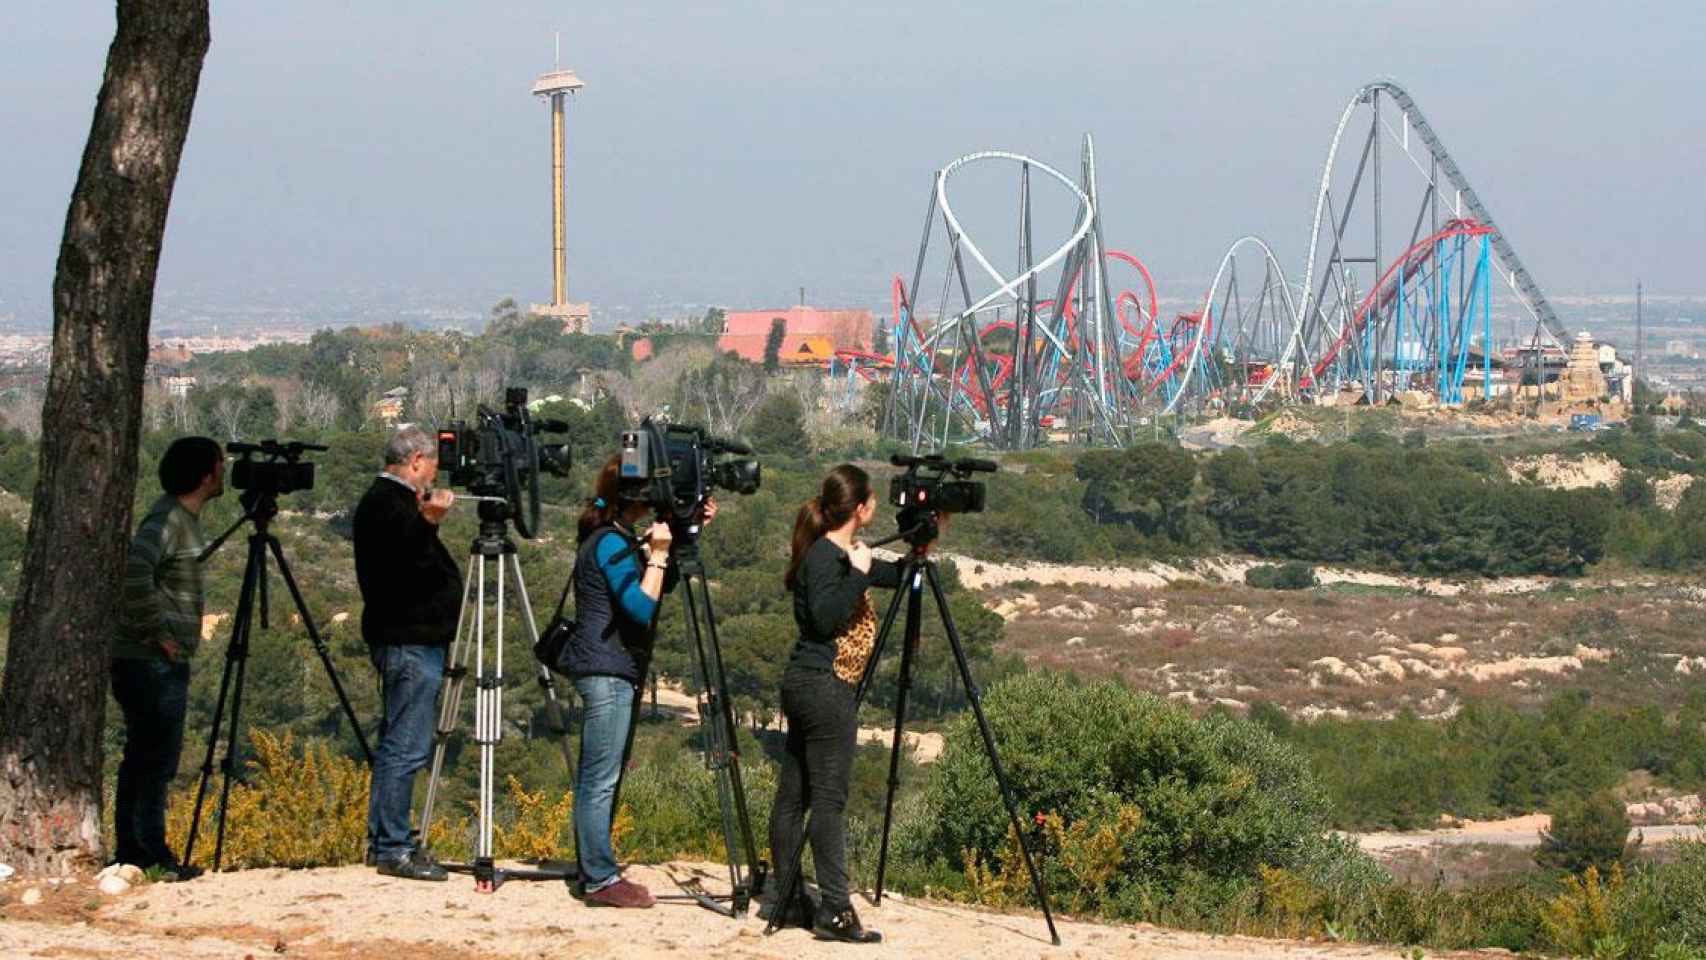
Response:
column 658, row 539
column 436, row 504
column 859, row 555
column 169, row 647
column 710, row 510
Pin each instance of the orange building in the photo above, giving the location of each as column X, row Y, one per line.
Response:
column 811, row 335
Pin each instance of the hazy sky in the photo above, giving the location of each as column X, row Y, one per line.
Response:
column 731, row 152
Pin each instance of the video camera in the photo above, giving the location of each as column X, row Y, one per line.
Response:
column 682, row 464
column 282, row 471
column 499, row 456
column 934, row 485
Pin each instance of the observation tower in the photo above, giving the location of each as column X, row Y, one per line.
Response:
column 555, row 86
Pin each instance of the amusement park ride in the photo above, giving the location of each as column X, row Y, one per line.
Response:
column 1071, row 340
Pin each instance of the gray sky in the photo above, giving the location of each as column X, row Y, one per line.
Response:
column 731, row 152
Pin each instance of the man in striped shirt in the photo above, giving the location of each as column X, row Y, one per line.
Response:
column 159, row 630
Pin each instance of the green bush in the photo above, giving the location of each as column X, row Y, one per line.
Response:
column 1590, row 830
column 1291, row 575
column 1214, row 798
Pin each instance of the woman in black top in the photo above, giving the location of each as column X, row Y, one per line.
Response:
column 828, row 574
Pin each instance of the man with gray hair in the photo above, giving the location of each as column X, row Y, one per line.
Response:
column 411, row 592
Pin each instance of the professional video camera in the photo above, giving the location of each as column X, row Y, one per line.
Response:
column 498, row 457
column 282, row 471
column 683, row 464
column 934, row 485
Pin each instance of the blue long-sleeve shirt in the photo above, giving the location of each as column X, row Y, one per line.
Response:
column 624, row 575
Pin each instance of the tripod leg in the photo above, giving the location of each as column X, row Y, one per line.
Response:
column 258, row 565
column 866, row 678
column 914, row 624
column 449, row 705
column 976, row 700
column 716, row 724
column 319, row 647
column 553, row 706
column 237, row 643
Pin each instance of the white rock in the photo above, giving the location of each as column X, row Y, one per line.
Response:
column 6, row 871
column 1280, row 618
column 31, row 897
column 1075, row 641
column 114, row 885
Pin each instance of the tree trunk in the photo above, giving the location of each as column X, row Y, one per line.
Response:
column 54, row 695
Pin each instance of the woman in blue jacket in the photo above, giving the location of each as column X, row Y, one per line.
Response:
column 619, row 580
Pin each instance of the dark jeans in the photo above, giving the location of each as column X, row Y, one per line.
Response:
column 817, row 763
column 409, row 679
column 611, row 704
column 154, row 696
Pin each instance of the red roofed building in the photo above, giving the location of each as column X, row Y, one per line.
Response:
column 812, row 335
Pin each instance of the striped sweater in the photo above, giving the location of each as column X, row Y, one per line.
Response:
column 162, row 585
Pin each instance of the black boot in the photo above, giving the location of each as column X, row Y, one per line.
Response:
column 842, row 925
column 800, row 911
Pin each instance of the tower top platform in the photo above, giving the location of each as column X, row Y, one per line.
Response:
column 556, row 82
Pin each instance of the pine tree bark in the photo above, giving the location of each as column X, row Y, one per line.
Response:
column 54, row 694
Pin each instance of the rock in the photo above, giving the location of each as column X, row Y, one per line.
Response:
column 1075, row 641
column 114, row 885
column 6, row 871
column 340, row 616
column 1447, row 638
column 1448, row 654
column 31, row 897
column 1280, row 618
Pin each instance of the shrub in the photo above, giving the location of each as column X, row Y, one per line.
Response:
column 1188, row 799
column 1588, row 832
column 1291, row 575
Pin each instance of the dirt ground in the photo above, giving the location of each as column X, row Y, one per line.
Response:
column 349, row 913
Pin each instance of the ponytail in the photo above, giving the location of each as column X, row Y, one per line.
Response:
column 809, row 524
column 845, row 489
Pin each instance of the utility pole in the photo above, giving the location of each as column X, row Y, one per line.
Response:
column 1640, row 344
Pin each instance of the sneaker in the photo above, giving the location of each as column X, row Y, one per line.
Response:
column 842, row 925
column 623, row 893
column 412, row 866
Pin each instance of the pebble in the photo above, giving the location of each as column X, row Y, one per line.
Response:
column 31, row 897
column 114, row 885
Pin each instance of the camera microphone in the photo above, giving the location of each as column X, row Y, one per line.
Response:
column 969, row 465
column 734, row 446
column 551, row 426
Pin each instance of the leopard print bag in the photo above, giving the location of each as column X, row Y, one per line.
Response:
column 854, row 645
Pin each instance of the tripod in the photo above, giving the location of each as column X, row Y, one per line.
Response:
column 259, row 507
column 494, row 544
column 916, row 569
column 722, row 751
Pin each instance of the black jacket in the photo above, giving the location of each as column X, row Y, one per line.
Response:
column 411, row 589
column 826, row 591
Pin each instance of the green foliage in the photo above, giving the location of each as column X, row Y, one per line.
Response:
column 1216, row 796
column 773, row 344
column 1589, row 831
column 1444, row 510
column 1291, row 575
column 778, row 426
column 17, row 463
column 1145, row 485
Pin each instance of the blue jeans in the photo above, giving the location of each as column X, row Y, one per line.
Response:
column 409, row 679
column 154, row 696
column 606, row 727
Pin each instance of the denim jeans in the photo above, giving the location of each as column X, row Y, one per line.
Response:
column 154, row 696
column 817, row 765
column 606, row 731
column 409, row 678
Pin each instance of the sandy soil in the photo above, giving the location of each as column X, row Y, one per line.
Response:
column 1512, row 832
column 350, row 913
column 980, row 575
